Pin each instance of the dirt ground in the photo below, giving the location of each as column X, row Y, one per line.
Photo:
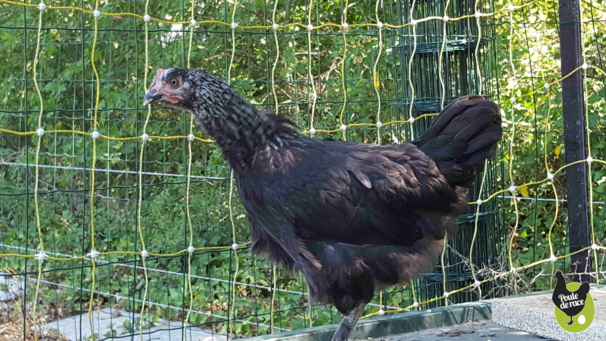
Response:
column 11, row 324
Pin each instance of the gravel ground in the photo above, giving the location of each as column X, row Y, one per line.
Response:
column 482, row 331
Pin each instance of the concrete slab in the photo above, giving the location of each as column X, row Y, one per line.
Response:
column 394, row 324
column 522, row 318
column 534, row 313
column 474, row 331
column 109, row 324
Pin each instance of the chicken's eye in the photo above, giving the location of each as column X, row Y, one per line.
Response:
column 174, row 83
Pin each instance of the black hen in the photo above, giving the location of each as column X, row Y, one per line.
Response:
column 352, row 217
column 570, row 302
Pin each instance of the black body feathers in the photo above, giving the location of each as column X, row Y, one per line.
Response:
column 354, row 217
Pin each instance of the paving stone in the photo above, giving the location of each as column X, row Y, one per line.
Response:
column 10, row 287
column 111, row 322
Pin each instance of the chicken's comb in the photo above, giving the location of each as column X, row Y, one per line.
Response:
column 159, row 73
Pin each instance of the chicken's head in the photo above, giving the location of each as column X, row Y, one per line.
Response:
column 171, row 87
column 192, row 90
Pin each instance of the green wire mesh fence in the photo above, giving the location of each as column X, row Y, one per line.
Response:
column 129, row 237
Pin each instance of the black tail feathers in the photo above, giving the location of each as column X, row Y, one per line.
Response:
column 464, row 135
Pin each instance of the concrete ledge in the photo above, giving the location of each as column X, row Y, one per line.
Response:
column 396, row 324
column 534, row 313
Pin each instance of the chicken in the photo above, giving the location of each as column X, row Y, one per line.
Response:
column 569, row 302
column 352, row 217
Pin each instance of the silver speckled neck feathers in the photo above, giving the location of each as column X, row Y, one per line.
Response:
column 238, row 127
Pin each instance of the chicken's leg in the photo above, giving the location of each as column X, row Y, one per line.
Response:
column 571, row 321
column 348, row 323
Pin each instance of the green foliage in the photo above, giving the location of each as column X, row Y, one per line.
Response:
column 68, row 89
column 67, row 85
column 528, row 59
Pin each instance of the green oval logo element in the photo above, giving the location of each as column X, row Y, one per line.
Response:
column 574, row 308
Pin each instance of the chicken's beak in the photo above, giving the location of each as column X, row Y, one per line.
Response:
column 151, row 97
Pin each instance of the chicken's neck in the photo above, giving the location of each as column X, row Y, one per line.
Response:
column 240, row 129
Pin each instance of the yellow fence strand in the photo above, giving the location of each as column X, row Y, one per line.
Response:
column 190, row 138
column 414, row 24
column 230, row 332
column 91, row 300
column 40, row 133
column 375, row 71
column 259, row 27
